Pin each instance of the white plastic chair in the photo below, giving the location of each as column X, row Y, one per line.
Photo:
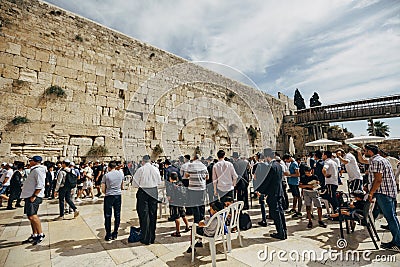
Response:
column 234, row 211
column 220, row 216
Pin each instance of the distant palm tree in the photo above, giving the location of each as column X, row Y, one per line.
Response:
column 380, row 129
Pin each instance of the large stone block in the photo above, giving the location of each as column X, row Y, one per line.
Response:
column 28, row 75
column 34, row 64
column 90, row 68
column 5, row 149
column 75, row 64
column 19, row 61
column 47, row 67
column 42, row 56
column 10, row 71
column 81, row 141
column 66, row 72
column 120, row 85
column 28, row 52
column 106, row 121
column 14, row 49
column 45, row 78
column 99, row 141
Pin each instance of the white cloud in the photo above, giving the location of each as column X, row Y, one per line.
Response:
column 342, row 49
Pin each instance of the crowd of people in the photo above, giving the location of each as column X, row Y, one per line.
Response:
column 191, row 183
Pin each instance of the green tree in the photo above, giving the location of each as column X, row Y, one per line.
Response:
column 299, row 100
column 378, row 128
column 314, row 100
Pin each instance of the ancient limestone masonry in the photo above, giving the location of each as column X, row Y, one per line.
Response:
column 81, row 85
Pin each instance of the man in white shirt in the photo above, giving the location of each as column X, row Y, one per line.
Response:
column 184, row 169
column 33, row 193
column 147, row 178
column 5, row 181
column 331, row 173
column 350, row 162
column 224, row 177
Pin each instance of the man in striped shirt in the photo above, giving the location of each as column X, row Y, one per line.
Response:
column 382, row 186
column 197, row 174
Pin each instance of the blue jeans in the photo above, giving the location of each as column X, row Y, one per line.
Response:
column 387, row 206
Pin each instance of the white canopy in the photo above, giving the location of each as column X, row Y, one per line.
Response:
column 292, row 149
column 323, row 142
column 364, row 139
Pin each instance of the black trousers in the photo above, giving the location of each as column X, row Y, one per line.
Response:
column 277, row 214
column 331, row 196
column 243, row 195
column 146, row 206
column 285, row 203
column 64, row 193
column 196, row 204
column 110, row 203
column 14, row 195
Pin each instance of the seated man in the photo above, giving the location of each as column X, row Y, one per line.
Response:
column 210, row 230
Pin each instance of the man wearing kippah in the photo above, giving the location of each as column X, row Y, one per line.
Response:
column 33, row 193
column 147, row 178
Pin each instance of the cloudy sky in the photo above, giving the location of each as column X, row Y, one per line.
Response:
column 342, row 49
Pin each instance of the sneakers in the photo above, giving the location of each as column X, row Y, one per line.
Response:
column 38, row 239
column 297, row 215
column 309, row 225
column 187, row 229
column 292, row 211
column 114, row 235
column 107, row 237
column 322, row 224
column 59, row 218
column 76, row 213
column 198, row 245
column 95, row 199
column 78, row 200
column 275, row 235
column 262, row 223
column 29, row 240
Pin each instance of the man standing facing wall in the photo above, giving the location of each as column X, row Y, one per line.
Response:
column 147, row 178
column 111, row 186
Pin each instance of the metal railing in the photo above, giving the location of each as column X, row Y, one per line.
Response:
column 383, row 107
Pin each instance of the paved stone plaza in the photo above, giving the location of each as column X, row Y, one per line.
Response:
column 80, row 241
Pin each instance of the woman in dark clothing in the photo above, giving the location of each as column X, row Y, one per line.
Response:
column 16, row 186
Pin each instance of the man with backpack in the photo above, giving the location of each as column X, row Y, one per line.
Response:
column 66, row 181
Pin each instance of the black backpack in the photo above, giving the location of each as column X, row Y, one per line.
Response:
column 244, row 221
column 70, row 179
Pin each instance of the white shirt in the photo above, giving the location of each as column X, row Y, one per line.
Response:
column 224, row 175
column 36, row 180
column 147, row 176
column 331, row 169
column 7, row 174
column 352, row 167
column 184, row 169
column 284, row 169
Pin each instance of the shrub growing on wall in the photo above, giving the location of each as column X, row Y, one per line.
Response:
column 20, row 120
column 55, row 90
column 97, row 151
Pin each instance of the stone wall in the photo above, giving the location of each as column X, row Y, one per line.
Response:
column 120, row 93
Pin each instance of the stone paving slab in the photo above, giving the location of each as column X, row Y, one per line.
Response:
column 80, row 241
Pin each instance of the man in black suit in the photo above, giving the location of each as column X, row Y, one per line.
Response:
column 271, row 186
